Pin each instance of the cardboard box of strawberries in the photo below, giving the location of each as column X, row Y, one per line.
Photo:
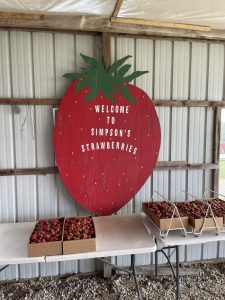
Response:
column 198, row 216
column 191, row 212
column 62, row 236
column 46, row 238
column 218, row 207
column 164, row 215
column 79, row 235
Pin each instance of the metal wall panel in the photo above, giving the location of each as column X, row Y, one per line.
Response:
column 86, row 45
column 162, row 78
column 162, row 90
column 126, row 46
column 64, row 63
column 123, row 47
column 214, row 92
column 196, row 139
column 144, row 61
column 25, row 152
column 179, row 123
column 44, row 86
column 32, row 65
column 7, row 157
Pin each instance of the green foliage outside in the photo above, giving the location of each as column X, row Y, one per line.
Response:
column 222, row 133
column 222, row 162
column 222, row 169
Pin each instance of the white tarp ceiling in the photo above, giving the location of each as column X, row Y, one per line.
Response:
column 199, row 12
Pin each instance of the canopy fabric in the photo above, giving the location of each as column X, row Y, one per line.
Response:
column 77, row 7
column 201, row 12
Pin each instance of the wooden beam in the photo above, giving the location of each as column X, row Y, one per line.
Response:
column 29, row 171
column 58, row 22
column 106, row 47
column 216, row 148
column 188, row 103
column 19, row 16
column 172, row 165
column 92, row 25
column 29, row 101
column 163, row 103
column 161, row 24
column 161, row 165
column 117, row 8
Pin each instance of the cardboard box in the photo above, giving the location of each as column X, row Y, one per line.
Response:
column 197, row 221
column 219, row 211
column 165, row 224
column 81, row 245
column 209, row 222
column 45, row 248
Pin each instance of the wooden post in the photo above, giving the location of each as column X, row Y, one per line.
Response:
column 106, row 47
column 107, row 271
column 216, row 147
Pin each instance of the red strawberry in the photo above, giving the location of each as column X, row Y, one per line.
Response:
column 77, row 228
column 33, row 237
column 106, row 137
column 47, row 231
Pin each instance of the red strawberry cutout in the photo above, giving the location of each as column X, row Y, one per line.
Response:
column 106, row 137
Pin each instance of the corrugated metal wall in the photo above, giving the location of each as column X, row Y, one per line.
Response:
column 32, row 65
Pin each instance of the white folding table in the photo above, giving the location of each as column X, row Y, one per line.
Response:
column 116, row 235
column 174, row 240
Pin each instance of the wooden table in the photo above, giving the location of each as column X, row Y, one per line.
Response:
column 116, row 235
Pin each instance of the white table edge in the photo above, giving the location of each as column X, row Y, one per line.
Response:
column 94, row 254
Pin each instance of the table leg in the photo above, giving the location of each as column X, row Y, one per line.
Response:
column 3, row 268
column 156, row 263
column 177, row 273
column 135, row 276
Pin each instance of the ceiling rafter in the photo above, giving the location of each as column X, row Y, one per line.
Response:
column 143, row 22
column 19, row 16
column 93, row 25
column 117, row 8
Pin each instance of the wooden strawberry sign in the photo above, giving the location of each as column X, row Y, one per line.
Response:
column 106, row 136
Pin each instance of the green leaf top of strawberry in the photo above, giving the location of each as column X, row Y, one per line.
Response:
column 108, row 81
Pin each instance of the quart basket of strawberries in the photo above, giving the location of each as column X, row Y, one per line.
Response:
column 79, row 235
column 165, row 215
column 46, row 238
